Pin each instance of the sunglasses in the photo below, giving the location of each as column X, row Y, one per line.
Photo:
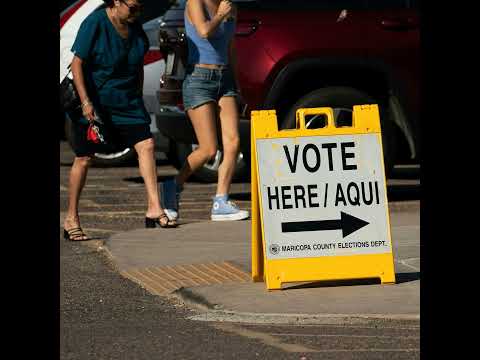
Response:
column 133, row 9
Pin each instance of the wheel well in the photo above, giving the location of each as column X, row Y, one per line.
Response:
column 309, row 79
column 372, row 82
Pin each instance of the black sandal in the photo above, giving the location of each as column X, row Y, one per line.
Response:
column 75, row 234
column 151, row 223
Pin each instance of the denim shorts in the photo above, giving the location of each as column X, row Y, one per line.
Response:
column 202, row 85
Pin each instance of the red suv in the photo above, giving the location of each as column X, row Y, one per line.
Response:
column 305, row 53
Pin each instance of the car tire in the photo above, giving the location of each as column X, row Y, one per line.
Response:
column 208, row 172
column 123, row 157
column 340, row 98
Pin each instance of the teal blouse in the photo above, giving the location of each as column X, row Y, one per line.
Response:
column 100, row 45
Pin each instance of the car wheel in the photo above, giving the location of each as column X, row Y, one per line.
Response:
column 209, row 171
column 123, row 157
column 342, row 99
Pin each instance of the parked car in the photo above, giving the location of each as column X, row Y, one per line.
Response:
column 302, row 53
column 154, row 66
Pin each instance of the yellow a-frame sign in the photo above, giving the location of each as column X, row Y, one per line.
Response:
column 319, row 200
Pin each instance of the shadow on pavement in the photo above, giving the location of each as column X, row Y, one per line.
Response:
column 403, row 192
column 139, row 179
column 241, row 196
column 333, row 283
column 132, row 163
column 406, row 172
column 407, row 277
column 400, row 278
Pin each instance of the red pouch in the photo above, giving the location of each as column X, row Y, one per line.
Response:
column 94, row 134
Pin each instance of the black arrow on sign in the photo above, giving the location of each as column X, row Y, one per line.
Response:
column 347, row 223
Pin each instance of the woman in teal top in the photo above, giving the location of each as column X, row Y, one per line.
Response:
column 107, row 71
column 105, row 48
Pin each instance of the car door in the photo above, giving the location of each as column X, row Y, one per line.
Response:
column 327, row 32
column 323, row 28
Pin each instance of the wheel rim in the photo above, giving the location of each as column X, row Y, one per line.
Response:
column 112, row 156
column 214, row 164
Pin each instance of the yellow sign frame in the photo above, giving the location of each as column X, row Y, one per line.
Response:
column 275, row 272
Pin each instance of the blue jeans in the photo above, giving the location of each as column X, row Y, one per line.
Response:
column 203, row 85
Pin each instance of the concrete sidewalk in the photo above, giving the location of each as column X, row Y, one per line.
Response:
column 208, row 265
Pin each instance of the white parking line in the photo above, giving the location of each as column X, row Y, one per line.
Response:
column 403, row 262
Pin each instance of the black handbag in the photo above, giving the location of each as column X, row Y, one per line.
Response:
column 69, row 99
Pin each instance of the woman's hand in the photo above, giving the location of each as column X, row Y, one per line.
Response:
column 88, row 111
column 225, row 9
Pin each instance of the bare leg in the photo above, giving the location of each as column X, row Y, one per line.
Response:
column 148, row 170
column 78, row 176
column 203, row 120
column 231, row 142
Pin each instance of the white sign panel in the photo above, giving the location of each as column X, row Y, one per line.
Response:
column 323, row 196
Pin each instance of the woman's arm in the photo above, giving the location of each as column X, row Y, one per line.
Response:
column 205, row 27
column 142, row 79
column 79, row 81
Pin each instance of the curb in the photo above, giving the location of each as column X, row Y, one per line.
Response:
column 193, row 300
column 101, row 247
column 306, row 319
column 214, row 313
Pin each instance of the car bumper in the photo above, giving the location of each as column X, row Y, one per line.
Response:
column 175, row 125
